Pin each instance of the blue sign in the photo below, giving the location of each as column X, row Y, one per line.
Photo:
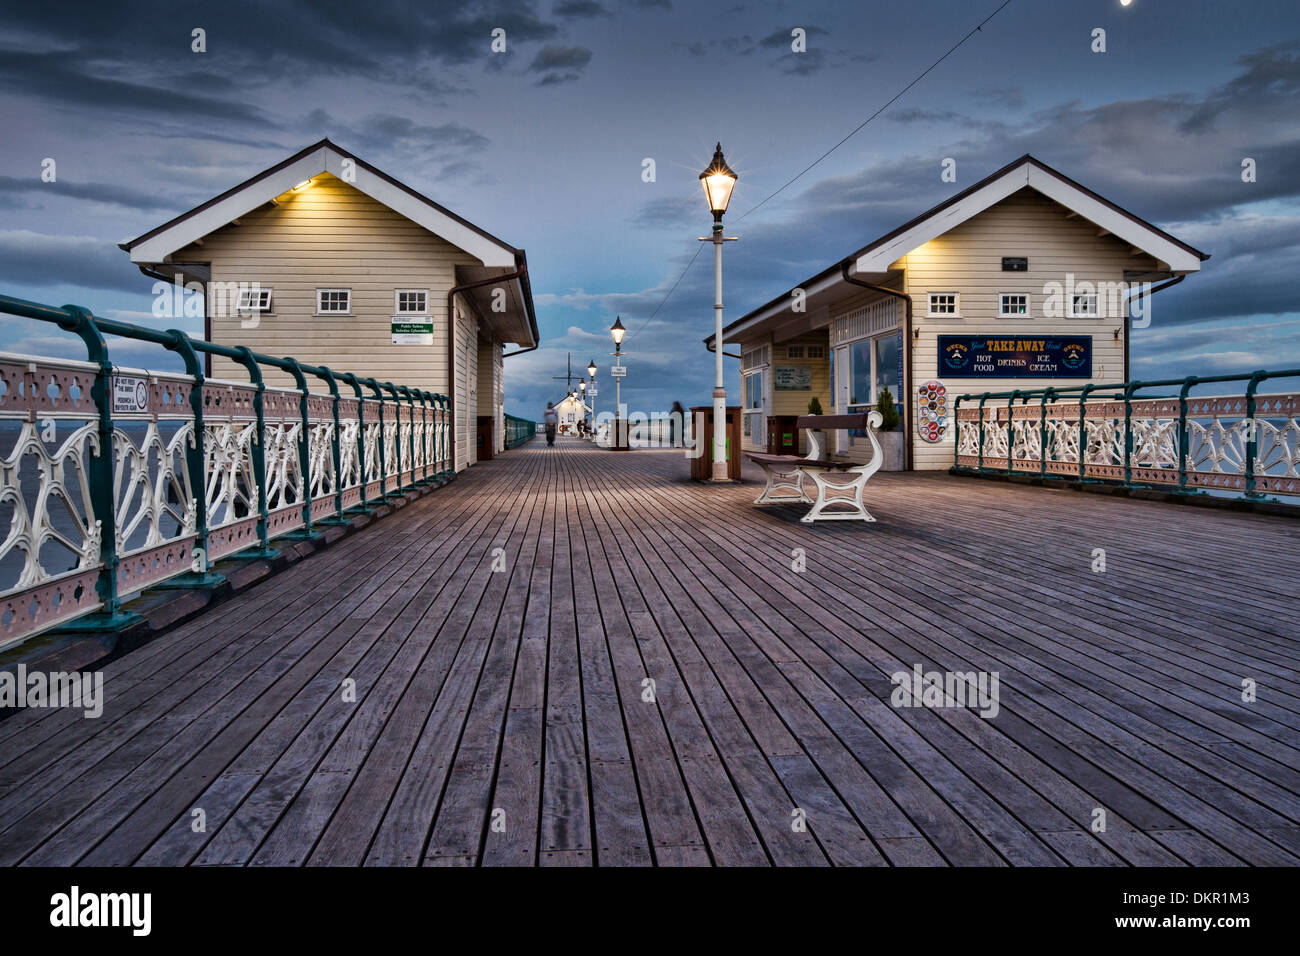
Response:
column 1015, row 356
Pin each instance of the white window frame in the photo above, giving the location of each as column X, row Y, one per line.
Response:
column 956, row 306
column 1004, row 314
column 397, row 301
column 815, row 351
column 322, row 311
column 794, row 351
column 1073, row 313
column 242, row 303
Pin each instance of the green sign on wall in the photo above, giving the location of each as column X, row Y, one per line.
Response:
column 412, row 330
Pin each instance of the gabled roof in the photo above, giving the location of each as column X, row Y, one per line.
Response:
column 157, row 244
column 875, row 258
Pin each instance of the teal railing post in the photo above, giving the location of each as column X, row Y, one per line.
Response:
column 384, row 493
column 980, row 465
column 410, row 400
column 444, row 439
column 956, row 423
column 434, row 476
column 103, row 494
column 1083, row 429
column 1011, row 429
column 1048, row 393
column 397, row 437
column 1129, row 390
column 424, row 434
column 264, row 549
column 1184, row 434
column 1252, row 444
column 196, row 464
column 351, row 379
column 304, row 450
column 337, row 449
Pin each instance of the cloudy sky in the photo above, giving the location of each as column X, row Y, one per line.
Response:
column 543, row 145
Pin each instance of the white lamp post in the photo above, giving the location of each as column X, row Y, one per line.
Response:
column 582, row 406
column 591, row 376
column 620, row 433
column 718, row 180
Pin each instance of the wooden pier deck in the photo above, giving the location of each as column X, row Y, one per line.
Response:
column 505, row 716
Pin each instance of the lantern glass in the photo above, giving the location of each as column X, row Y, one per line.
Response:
column 718, row 181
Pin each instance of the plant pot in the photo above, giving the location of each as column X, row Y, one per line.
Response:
column 891, row 447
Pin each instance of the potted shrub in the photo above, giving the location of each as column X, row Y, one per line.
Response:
column 889, row 434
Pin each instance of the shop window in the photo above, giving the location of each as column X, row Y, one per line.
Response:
column 333, row 301
column 1013, row 305
column 1083, row 305
column 411, row 301
column 943, row 304
column 254, row 300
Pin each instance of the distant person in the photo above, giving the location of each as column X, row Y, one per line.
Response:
column 676, row 419
column 551, row 418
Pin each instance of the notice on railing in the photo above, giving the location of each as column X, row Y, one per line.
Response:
column 130, row 394
column 412, row 330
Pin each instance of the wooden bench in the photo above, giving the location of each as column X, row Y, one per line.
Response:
column 840, row 484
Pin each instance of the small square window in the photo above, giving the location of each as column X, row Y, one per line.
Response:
column 943, row 304
column 254, row 300
column 794, row 351
column 816, row 352
column 333, row 301
column 1083, row 305
column 412, row 302
column 1013, row 305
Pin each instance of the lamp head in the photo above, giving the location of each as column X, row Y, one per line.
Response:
column 617, row 331
column 718, row 180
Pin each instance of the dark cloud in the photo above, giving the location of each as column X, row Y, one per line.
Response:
column 437, row 151
column 1006, row 96
column 733, row 45
column 91, row 192
column 560, row 58
column 35, row 259
column 560, row 64
column 59, row 78
column 664, row 213
column 579, row 9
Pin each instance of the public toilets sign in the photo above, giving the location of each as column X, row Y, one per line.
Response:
column 1015, row 356
column 412, row 330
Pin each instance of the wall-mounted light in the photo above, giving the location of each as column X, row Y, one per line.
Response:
column 302, row 185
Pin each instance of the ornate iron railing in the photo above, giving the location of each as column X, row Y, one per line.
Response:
column 1247, row 443
column 116, row 479
column 519, row 430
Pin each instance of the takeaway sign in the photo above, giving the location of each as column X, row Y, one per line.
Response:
column 1015, row 356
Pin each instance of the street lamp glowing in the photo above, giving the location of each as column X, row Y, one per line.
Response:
column 591, row 369
column 617, row 331
column 718, row 181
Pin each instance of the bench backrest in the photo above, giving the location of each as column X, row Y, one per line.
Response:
column 831, row 422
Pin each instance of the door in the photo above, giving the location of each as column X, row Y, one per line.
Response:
column 840, row 382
